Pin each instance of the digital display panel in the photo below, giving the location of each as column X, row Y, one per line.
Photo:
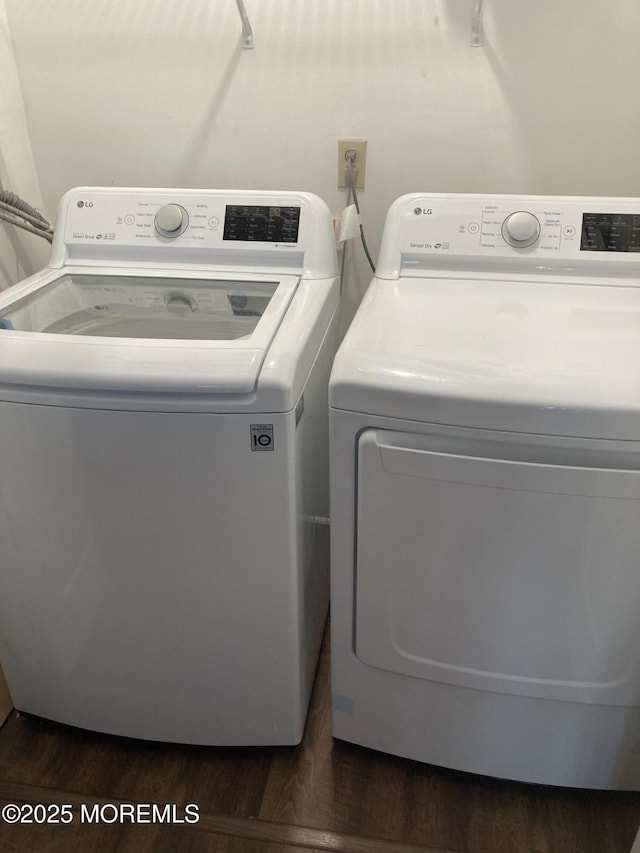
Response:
column 261, row 223
column 610, row 232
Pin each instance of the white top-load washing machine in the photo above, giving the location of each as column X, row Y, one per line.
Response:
column 485, row 492
column 163, row 401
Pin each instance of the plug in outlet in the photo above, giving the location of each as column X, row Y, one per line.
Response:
column 359, row 160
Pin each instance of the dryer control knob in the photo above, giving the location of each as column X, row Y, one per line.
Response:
column 171, row 220
column 521, row 229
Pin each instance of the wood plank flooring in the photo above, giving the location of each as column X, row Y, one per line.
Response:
column 324, row 796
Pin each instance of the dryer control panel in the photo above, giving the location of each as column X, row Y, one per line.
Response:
column 515, row 232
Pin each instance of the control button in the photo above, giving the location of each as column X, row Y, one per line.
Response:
column 570, row 231
column 171, row 220
column 129, row 219
column 521, row 229
column 473, row 228
column 214, row 222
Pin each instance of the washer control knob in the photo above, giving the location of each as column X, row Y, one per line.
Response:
column 521, row 229
column 171, row 220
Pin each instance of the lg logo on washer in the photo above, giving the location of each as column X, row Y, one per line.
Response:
column 85, row 203
column 419, row 210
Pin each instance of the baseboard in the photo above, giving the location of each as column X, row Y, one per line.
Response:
column 6, row 705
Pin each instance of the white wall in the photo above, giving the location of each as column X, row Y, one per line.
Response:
column 160, row 93
column 17, row 169
column 11, row 269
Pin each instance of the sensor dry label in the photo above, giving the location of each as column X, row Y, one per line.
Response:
column 262, row 436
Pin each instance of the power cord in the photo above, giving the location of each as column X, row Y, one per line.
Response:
column 350, row 157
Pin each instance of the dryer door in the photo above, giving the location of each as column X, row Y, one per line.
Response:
column 502, row 574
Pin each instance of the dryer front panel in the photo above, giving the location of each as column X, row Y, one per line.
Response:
column 503, row 574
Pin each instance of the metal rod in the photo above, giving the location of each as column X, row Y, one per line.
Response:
column 477, row 32
column 247, row 32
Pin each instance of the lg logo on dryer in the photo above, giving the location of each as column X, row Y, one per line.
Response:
column 426, row 210
column 85, row 203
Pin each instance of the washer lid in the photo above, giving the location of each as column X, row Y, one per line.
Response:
column 539, row 356
column 128, row 331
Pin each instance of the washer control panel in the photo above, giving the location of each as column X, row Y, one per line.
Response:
column 440, row 230
column 198, row 220
column 288, row 230
column 262, row 222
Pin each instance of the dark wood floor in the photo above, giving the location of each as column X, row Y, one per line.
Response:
column 323, row 795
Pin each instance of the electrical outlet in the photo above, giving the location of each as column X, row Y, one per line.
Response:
column 359, row 147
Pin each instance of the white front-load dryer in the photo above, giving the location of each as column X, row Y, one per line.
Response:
column 485, row 492
column 164, row 445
